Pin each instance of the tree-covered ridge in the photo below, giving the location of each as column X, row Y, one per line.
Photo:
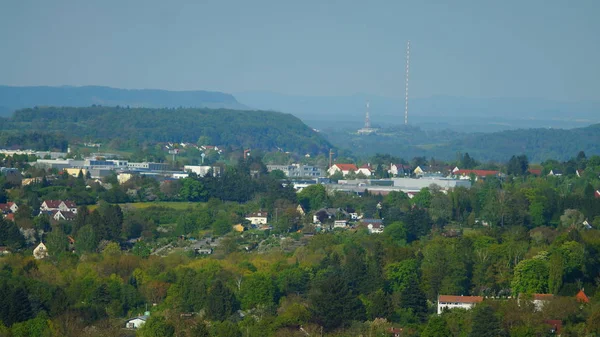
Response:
column 248, row 129
column 538, row 144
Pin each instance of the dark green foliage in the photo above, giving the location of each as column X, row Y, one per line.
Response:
column 10, row 235
column 517, row 165
column 243, row 129
column 436, row 327
column 485, row 323
column 333, row 304
column 413, row 298
column 221, row 302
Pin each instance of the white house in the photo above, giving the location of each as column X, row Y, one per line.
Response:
column 257, row 218
column 58, row 205
column 399, row 170
column 40, row 252
column 63, row 215
column 375, row 226
column 136, row 322
column 451, row 302
column 344, row 168
column 9, row 207
column 366, row 170
column 539, row 300
column 340, row 224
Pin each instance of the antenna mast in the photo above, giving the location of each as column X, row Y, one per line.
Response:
column 406, row 84
column 367, row 119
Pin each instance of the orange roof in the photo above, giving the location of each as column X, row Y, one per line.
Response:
column 460, row 299
column 10, row 216
column 479, row 173
column 535, row 172
column 346, row 167
column 543, row 297
column 582, row 297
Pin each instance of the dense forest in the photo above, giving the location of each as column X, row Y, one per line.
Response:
column 127, row 252
column 236, row 128
column 537, row 144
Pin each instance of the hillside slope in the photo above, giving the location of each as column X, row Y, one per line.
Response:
column 409, row 142
column 238, row 128
column 14, row 98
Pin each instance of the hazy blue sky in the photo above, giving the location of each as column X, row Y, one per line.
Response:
column 475, row 48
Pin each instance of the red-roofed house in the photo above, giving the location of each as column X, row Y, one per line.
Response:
column 555, row 326
column 540, row 299
column 582, row 297
column 535, row 172
column 9, row 207
column 466, row 174
column 58, row 205
column 597, row 194
column 62, row 215
column 451, row 301
column 10, row 216
column 344, row 168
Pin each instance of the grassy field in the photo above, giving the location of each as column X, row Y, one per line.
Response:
column 140, row 205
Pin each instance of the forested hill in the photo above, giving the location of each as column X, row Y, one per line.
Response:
column 408, row 142
column 537, row 144
column 14, row 98
column 238, row 128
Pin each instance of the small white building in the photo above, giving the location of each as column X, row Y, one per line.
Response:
column 40, row 252
column 344, row 168
column 136, row 322
column 257, row 218
column 451, row 302
column 340, row 224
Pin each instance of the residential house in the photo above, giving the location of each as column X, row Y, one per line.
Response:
column 478, row 174
column 40, row 252
column 399, row 170
column 298, row 170
column 325, row 214
column 4, row 251
column 555, row 326
column 238, row 228
column 366, row 169
column 579, row 173
column 451, row 302
column 597, row 194
column 375, row 226
column 582, row 297
column 344, row 168
column 58, row 215
column 539, row 300
column 257, row 218
column 58, row 205
column 9, row 207
column 340, row 224
column 420, row 171
column 137, row 322
column 300, row 210
column 555, row 173
column 535, row 172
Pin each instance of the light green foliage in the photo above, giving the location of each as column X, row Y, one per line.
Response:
column 531, row 275
column 313, row 197
column 257, row 290
column 400, row 273
column 156, row 326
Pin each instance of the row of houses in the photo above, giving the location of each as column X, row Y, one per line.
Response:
column 449, row 302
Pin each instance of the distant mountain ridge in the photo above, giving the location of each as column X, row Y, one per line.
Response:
column 437, row 112
column 14, row 98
